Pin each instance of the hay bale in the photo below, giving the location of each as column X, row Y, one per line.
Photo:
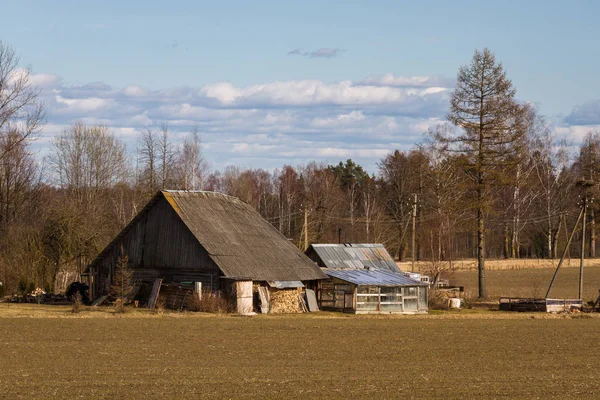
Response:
column 284, row 301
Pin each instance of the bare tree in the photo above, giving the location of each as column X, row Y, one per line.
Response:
column 88, row 163
column 148, row 157
column 588, row 166
column 550, row 161
column 191, row 162
column 18, row 176
column 21, row 110
column 87, row 160
column 168, row 156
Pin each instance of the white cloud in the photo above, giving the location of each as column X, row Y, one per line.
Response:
column 263, row 125
column 83, row 105
column 576, row 133
column 390, row 79
column 586, row 114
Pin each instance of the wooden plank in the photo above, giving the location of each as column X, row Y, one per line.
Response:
column 154, row 294
column 136, row 288
column 99, row 301
column 243, row 290
column 263, row 294
column 311, row 300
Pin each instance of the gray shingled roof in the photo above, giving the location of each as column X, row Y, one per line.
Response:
column 355, row 256
column 239, row 240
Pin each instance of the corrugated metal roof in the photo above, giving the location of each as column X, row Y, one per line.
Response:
column 372, row 277
column 238, row 239
column 356, row 256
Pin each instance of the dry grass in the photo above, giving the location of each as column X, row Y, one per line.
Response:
column 533, row 282
column 209, row 302
column 452, row 355
column 497, row 265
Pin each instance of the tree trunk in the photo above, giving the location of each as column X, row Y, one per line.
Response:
column 506, row 241
column 551, row 243
column 554, row 252
column 481, row 252
column 592, row 251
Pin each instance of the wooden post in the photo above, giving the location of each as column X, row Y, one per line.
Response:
column 305, row 228
column 198, row 290
column 562, row 258
column 414, row 229
column 582, row 256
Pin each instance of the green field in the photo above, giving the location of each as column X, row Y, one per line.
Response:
column 46, row 353
column 532, row 282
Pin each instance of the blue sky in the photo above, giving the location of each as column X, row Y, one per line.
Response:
column 364, row 77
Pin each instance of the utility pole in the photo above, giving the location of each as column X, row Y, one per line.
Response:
column 585, row 184
column 582, row 256
column 305, row 228
column 414, row 230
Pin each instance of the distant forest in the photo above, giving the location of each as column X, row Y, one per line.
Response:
column 493, row 180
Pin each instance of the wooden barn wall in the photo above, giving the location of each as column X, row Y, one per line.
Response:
column 312, row 254
column 159, row 245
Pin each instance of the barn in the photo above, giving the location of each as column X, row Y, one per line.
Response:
column 364, row 279
column 208, row 240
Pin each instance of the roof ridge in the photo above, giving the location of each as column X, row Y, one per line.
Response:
column 199, row 191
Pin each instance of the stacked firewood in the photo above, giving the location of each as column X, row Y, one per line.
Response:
column 284, row 301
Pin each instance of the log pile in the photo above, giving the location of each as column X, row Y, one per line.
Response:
column 284, row 301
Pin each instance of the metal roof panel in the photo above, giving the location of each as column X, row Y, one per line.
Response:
column 372, row 277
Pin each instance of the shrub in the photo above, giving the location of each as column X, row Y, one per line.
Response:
column 438, row 300
column 159, row 307
column 209, row 302
column 22, row 286
column 121, row 286
column 77, row 304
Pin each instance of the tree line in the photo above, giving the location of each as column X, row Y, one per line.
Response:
column 493, row 181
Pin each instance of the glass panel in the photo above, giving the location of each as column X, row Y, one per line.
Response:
column 368, row 289
column 390, row 297
column 362, row 289
column 366, row 306
column 410, row 291
column 410, row 304
column 391, row 307
column 422, row 298
column 367, row 299
column 385, row 289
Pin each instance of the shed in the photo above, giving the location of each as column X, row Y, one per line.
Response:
column 364, row 279
column 207, row 237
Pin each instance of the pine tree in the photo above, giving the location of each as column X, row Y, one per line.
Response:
column 121, row 282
